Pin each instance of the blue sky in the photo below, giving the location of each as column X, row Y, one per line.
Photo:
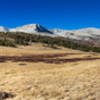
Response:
column 64, row 14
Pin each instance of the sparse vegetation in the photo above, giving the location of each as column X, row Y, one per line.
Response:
column 7, row 43
column 47, row 81
column 19, row 38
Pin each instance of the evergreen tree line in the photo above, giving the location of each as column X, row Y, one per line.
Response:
column 19, row 38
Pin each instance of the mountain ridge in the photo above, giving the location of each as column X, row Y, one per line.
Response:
column 86, row 34
column 29, row 28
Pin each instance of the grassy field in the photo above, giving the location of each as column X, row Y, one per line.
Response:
column 67, row 80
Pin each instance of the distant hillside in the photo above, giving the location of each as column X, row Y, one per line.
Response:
column 91, row 35
column 86, row 35
column 19, row 38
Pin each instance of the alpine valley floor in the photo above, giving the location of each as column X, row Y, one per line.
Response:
column 41, row 73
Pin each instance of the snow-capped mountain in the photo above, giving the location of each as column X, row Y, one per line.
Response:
column 87, row 34
column 31, row 28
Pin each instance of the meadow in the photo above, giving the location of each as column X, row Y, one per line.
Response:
column 43, row 80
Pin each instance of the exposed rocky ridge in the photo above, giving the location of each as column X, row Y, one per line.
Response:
column 31, row 28
column 87, row 34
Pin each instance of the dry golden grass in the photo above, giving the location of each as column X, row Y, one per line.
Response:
column 41, row 81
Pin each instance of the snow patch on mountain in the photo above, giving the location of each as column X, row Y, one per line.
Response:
column 3, row 29
column 87, row 34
